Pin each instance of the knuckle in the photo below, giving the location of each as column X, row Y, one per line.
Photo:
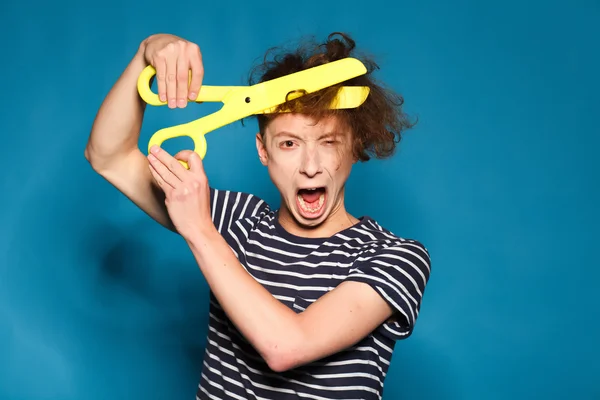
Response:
column 182, row 75
column 193, row 48
column 165, row 51
column 200, row 180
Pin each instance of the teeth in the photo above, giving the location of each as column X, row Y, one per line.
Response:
column 305, row 206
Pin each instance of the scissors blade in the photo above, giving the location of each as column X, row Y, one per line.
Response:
column 347, row 97
column 269, row 94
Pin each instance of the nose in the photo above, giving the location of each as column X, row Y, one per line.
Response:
column 311, row 162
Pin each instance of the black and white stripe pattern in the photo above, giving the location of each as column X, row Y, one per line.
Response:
column 297, row 271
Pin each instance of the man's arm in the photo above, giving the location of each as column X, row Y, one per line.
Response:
column 112, row 148
column 286, row 340
column 390, row 281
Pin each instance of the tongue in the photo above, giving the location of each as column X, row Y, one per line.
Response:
column 310, row 196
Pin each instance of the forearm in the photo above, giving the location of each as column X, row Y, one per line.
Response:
column 271, row 327
column 116, row 129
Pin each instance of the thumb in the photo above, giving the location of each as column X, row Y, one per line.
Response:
column 195, row 163
column 183, row 155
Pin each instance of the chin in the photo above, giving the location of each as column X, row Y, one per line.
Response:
column 309, row 223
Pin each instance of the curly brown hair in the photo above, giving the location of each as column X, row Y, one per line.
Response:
column 377, row 124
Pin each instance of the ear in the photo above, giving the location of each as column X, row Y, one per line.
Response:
column 262, row 149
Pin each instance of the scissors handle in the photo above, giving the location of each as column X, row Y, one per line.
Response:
column 207, row 93
column 160, row 136
column 194, row 130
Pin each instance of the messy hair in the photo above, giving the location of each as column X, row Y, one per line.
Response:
column 377, row 125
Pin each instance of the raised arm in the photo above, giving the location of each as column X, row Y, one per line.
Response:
column 112, row 148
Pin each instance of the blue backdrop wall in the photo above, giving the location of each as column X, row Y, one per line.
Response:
column 500, row 179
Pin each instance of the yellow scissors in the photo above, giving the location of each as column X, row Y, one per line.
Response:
column 242, row 101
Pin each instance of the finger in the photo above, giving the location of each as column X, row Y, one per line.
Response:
column 182, row 80
column 170, row 164
column 171, row 61
column 183, row 155
column 161, row 71
column 195, row 163
column 164, row 173
column 197, row 68
column 159, row 180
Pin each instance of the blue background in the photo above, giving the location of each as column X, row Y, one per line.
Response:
column 499, row 179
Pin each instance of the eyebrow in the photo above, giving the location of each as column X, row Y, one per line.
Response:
column 293, row 135
column 286, row 133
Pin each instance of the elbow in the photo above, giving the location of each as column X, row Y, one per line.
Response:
column 98, row 161
column 280, row 362
column 91, row 158
column 287, row 349
column 88, row 156
column 86, row 153
column 286, row 355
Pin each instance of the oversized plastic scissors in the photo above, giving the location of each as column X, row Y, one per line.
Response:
column 243, row 101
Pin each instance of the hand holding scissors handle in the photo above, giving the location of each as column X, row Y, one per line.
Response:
column 243, row 101
column 207, row 93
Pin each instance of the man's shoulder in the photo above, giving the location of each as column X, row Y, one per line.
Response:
column 236, row 205
column 378, row 240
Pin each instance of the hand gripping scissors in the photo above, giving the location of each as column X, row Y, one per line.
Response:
column 243, row 101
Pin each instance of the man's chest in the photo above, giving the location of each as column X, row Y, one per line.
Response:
column 292, row 271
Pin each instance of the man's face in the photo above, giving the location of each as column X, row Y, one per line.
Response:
column 309, row 162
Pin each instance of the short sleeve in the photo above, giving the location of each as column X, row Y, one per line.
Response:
column 399, row 274
column 227, row 207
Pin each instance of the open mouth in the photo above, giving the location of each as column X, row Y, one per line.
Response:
column 311, row 201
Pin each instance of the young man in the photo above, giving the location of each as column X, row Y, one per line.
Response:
column 307, row 301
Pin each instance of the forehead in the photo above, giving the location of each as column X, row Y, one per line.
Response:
column 305, row 126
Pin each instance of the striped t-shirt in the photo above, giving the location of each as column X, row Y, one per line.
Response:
column 297, row 271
